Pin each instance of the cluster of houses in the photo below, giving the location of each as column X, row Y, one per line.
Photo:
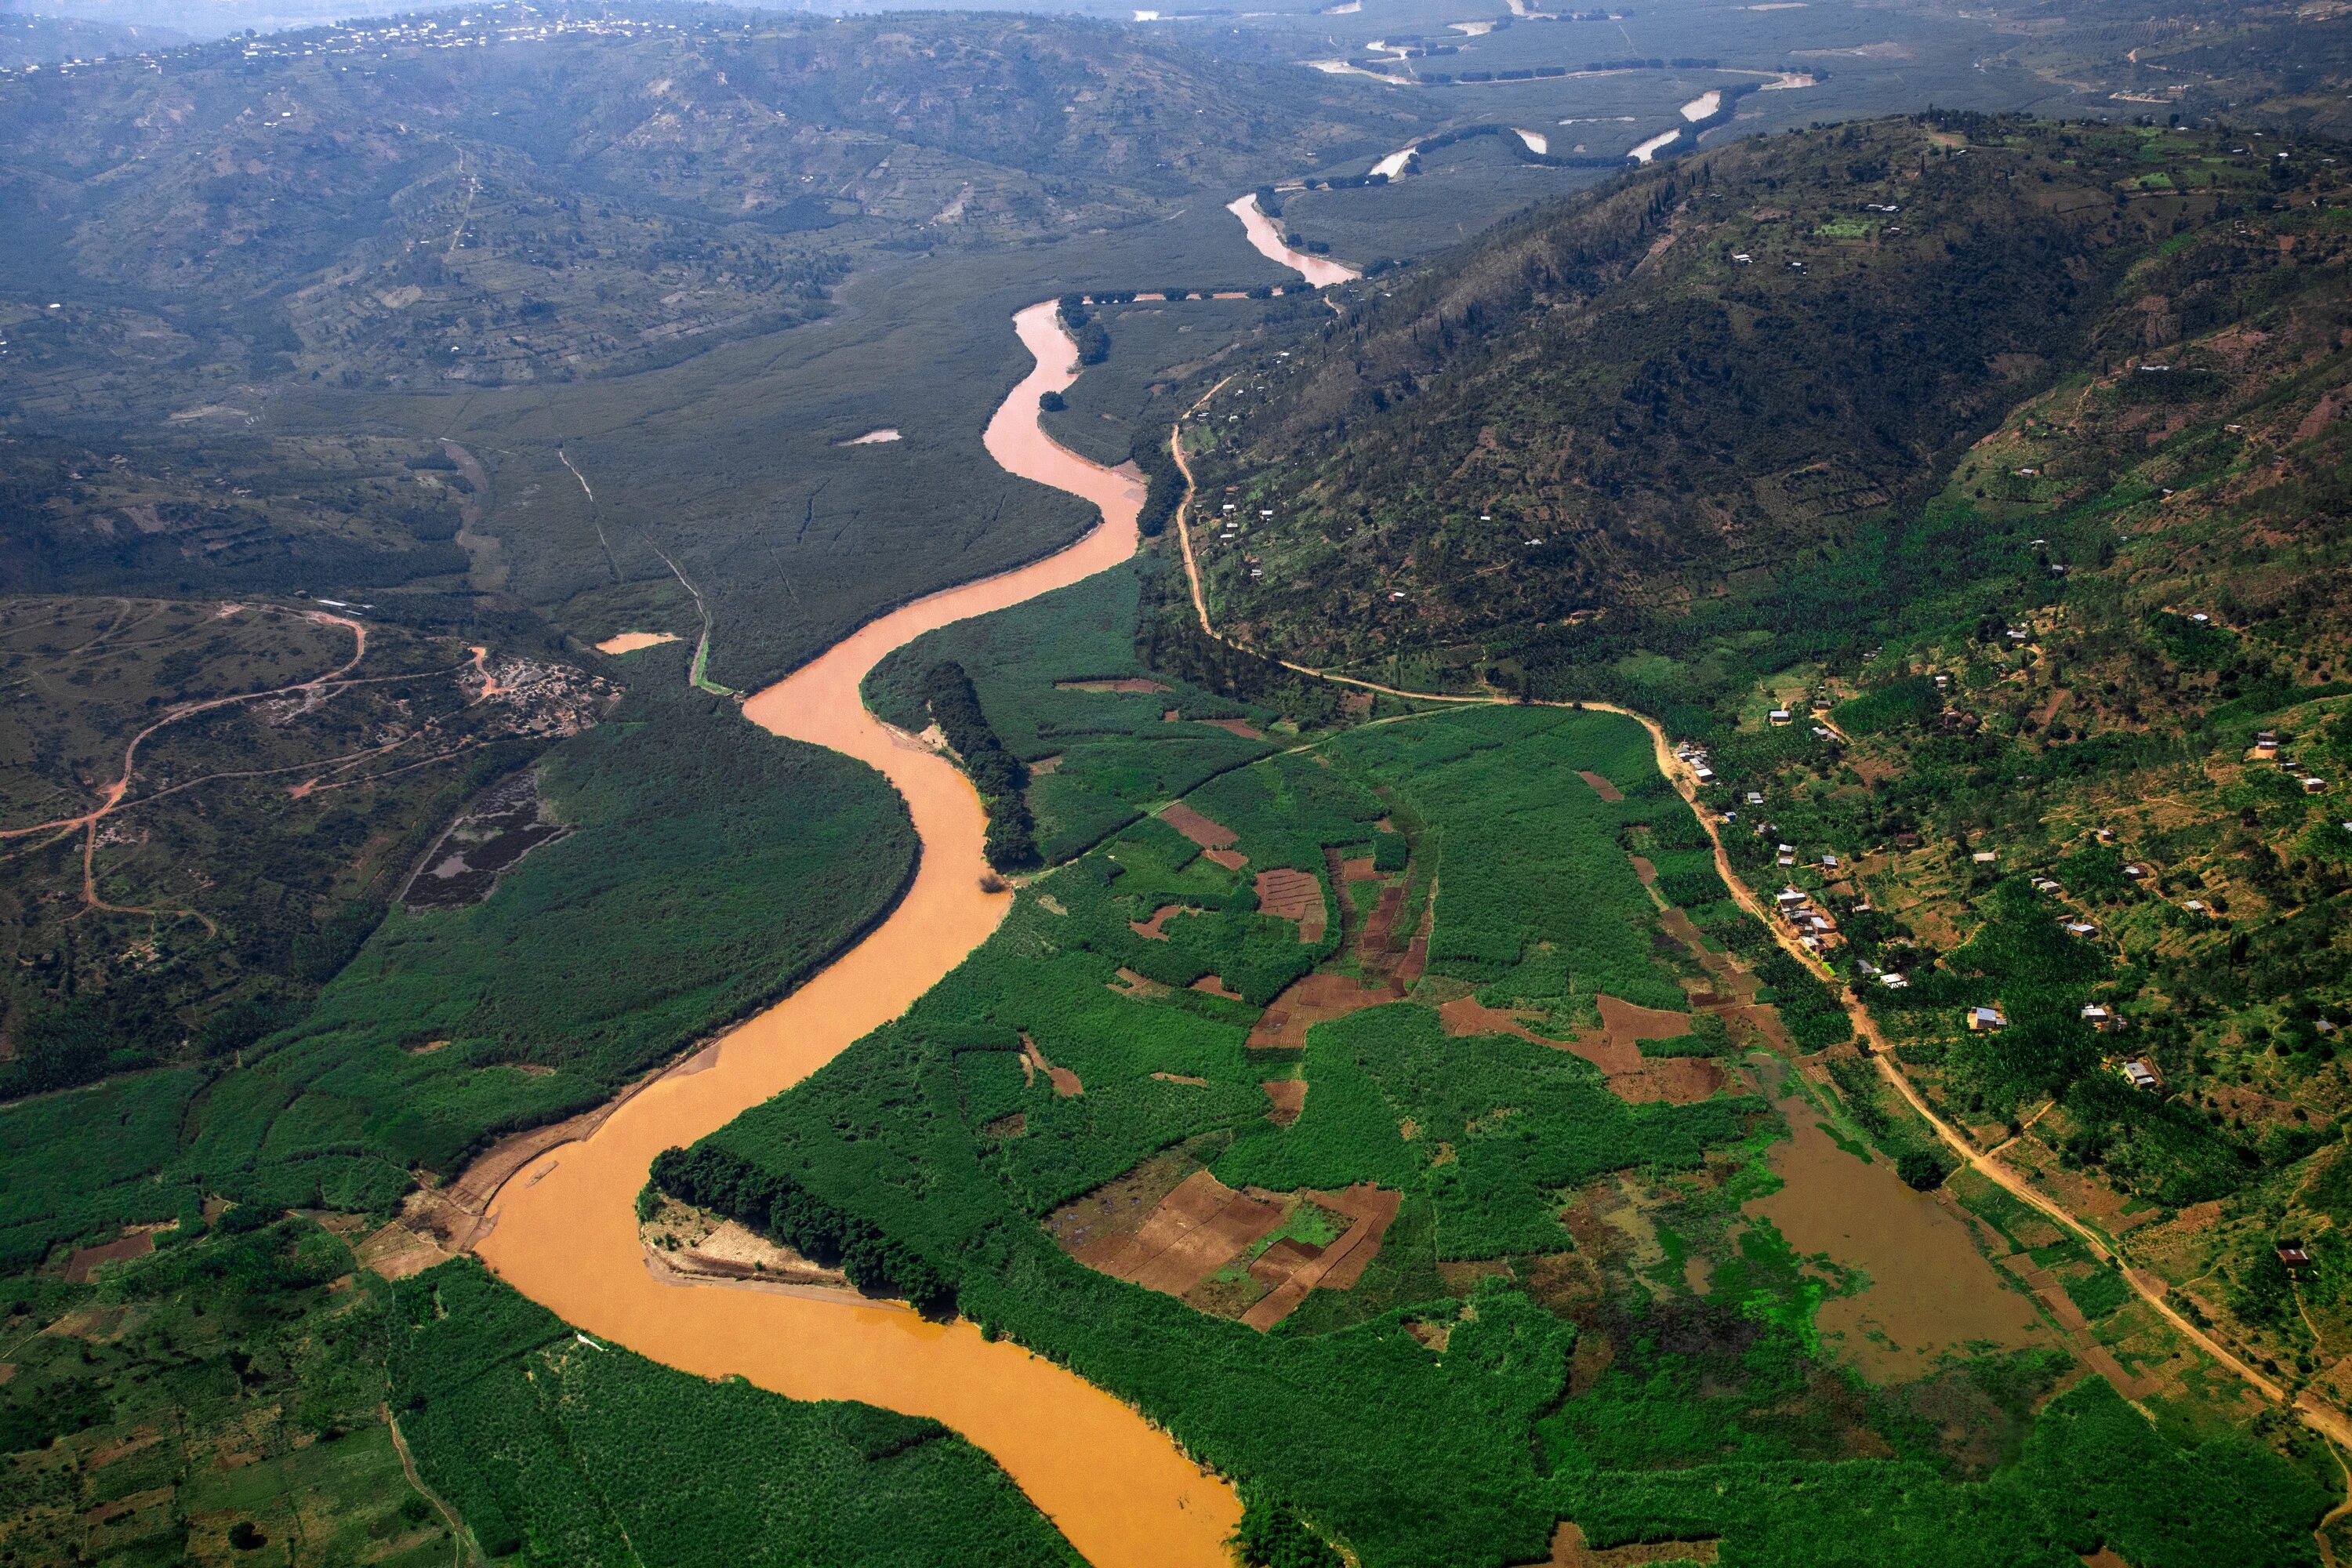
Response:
column 2138, row 1071
column 494, row 25
column 1815, row 928
column 2266, row 750
column 1696, row 758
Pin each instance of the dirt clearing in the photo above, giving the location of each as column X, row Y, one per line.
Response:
column 85, row 1261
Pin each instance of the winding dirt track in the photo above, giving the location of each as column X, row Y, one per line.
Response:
column 2316, row 1412
column 113, row 794
column 562, row 1228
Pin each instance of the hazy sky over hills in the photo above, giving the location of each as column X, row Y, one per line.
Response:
column 215, row 19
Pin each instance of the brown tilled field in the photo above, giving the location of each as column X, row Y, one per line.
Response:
column 1171, row 1227
column 1208, row 835
column 1293, row 896
column 1601, row 786
column 1311, row 1000
column 1633, row 1077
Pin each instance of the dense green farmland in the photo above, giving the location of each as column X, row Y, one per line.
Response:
column 1377, row 1070
column 232, row 1381
column 1553, row 893
column 1349, row 1419
column 581, row 1454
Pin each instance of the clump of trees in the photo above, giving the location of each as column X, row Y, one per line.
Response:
column 997, row 773
column 776, row 1207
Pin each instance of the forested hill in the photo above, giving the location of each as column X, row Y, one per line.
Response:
column 506, row 194
column 1685, row 385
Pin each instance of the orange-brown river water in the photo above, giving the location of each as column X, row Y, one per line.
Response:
column 565, row 1230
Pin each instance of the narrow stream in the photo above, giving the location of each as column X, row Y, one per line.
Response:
column 565, row 1230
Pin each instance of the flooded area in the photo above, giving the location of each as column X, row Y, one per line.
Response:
column 1930, row 1291
column 564, row 1230
column 1321, row 272
column 1704, row 104
column 488, row 838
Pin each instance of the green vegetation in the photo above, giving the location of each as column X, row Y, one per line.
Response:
column 2093, row 1472
column 1483, row 1134
column 1049, row 686
column 1502, row 1126
column 575, row 1453
column 1012, row 832
column 1555, row 909
column 226, row 1391
column 710, row 866
column 225, row 1397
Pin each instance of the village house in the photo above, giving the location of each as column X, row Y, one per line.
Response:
column 2293, row 1252
column 2101, row 1019
column 1778, row 717
column 2141, row 1074
column 1982, row 1019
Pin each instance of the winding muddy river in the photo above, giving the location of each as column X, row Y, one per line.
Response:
column 565, row 1230
column 1319, row 271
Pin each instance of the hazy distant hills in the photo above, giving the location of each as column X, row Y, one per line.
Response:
column 413, row 204
column 36, row 40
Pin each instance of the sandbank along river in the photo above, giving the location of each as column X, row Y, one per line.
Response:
column 565, row 1227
